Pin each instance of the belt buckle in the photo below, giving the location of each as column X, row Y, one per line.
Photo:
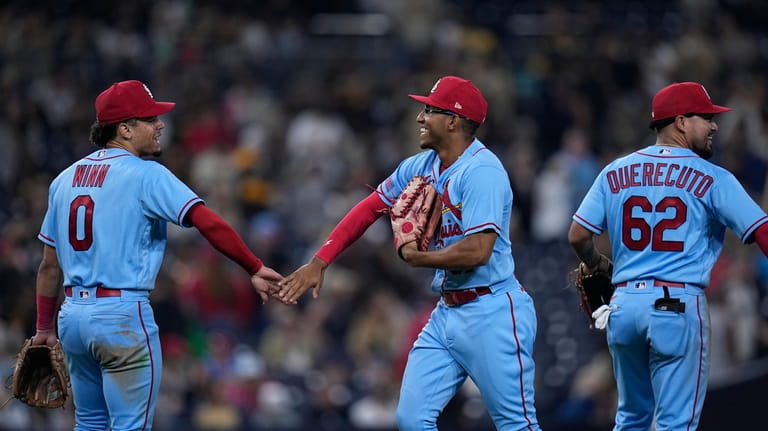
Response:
column 460, row 297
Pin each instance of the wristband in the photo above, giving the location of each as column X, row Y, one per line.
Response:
column 46, row 310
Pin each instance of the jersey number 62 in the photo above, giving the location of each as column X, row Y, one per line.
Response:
column 653, row 235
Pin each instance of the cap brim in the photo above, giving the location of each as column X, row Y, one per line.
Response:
column 422, row 99
column 716, row 109
column 158, row 108
column 427, row 101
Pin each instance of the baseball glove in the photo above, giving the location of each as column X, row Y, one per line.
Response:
column 40, row 378
column 595, row 291
column 415, row 215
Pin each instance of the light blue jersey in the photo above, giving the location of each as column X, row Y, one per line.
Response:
column 665, row 210
column 107, row 217
column 669, row 208
column 476, row 196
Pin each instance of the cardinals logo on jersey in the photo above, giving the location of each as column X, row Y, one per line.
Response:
column 448, row 205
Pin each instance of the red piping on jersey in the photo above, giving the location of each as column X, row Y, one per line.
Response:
column 184, row 209
column 45, row 237
column 483, row 226
column 519, row 360
column 588, row 223
column 661, row 156
column 106, row 158
column 151, row 367
column 701, row 360
column 761, row 222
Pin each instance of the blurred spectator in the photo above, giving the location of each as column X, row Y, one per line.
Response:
column 278, row 125
column 559, row 187
column 376, row 329
column 215, row 295
column 291, row 345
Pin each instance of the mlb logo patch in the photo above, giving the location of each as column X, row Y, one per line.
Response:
column 639, row 285
column 665, row 151
column 388, row 184
column 84, row 294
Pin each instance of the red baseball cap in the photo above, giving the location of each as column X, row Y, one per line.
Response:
column 456, row 95
column 683, row 98
column 128, row 99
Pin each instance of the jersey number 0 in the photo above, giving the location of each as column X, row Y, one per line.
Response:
column 81, row 218
column 653, row 235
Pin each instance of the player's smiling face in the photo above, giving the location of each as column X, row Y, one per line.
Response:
column 703, row 128
column 432, row 123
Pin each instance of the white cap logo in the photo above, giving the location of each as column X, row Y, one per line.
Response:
column 434, row 87
column 147, row 90
column 705, row 92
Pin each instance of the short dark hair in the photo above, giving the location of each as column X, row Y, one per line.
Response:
column 102, row 133
column 470, row 127
column 664, row 122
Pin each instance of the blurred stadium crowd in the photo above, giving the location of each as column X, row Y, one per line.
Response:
column 287, row 110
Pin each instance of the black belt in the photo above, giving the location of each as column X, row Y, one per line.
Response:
column 454, row 298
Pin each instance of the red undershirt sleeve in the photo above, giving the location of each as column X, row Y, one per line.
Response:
column 223, row 237
column 46, row 312
column 761, row 238
column 352, row 227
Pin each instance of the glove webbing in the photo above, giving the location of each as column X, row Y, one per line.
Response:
column 416, row 193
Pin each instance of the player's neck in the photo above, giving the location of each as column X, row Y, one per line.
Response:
column 452, row 153
column 671, row 141
column 117, row 144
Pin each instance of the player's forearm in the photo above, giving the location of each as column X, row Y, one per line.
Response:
column 470, row 252
column 583, row 245
column 223, row 238
column 48, row 281
column 47, row 285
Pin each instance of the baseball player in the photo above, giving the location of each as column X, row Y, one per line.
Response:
column 665, row 209
column 484, row 325
column 104, row 237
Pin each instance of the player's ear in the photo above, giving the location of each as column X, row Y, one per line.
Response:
column 454, row 123
column 680, row 121
column 124, row 130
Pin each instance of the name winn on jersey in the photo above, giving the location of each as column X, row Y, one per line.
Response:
column 90, row 175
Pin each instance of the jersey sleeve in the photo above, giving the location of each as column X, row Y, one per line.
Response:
column 735, row 208
column 48, row 229
column 419, row 164
column 485, row 193
column 591, row 213
column 166, row 197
